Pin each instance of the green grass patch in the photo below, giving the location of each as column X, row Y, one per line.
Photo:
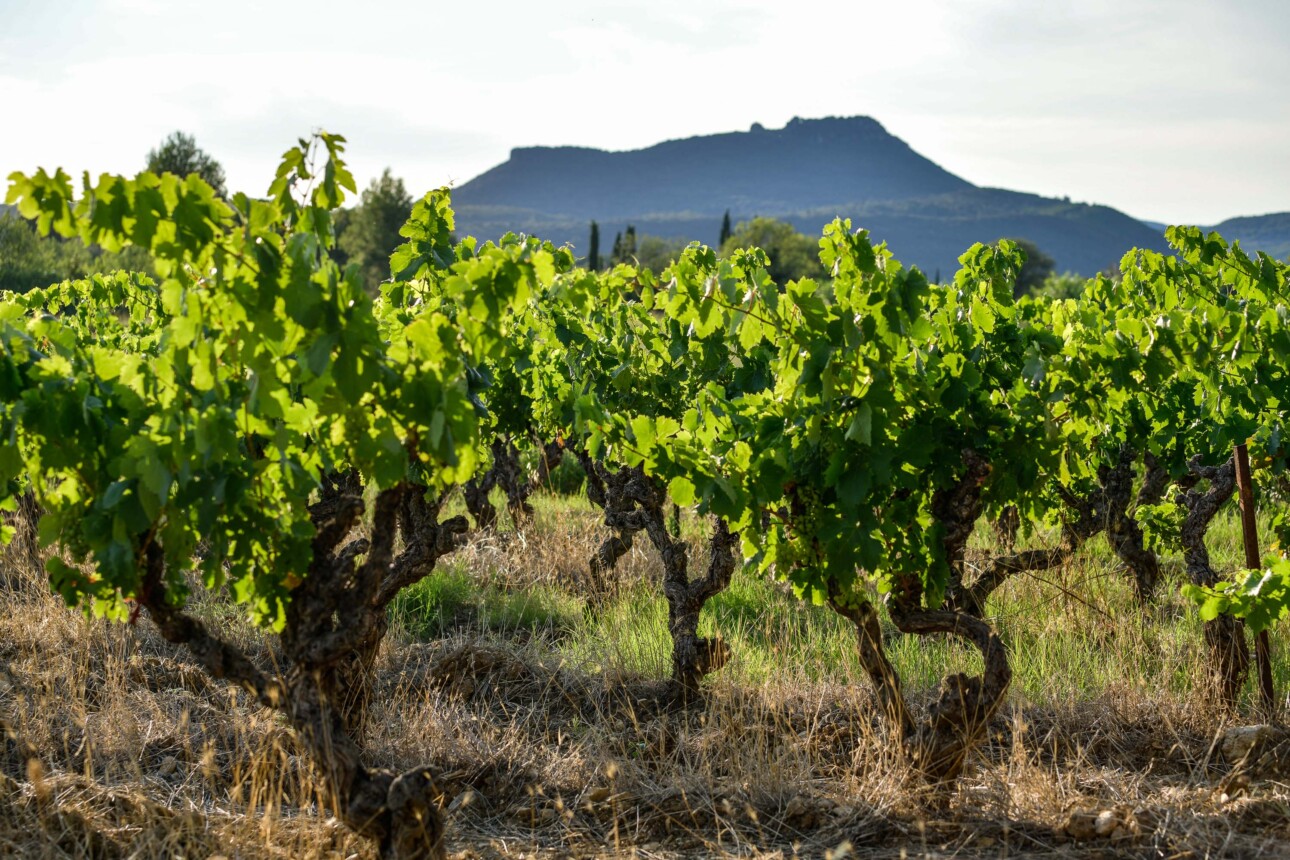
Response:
column 452, row 599
column 1073, row 634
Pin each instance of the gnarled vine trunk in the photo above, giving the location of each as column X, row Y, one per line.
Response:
column 693, row 656
column 937, row 745
column 609, row 491
column 633, row 502
column 508, row 473
column 1122, row 530
column 334, row 626
column 1108, row 507
column 1229, row 654
column 1085, row 518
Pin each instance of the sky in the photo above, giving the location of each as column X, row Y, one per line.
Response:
column 1171, row 110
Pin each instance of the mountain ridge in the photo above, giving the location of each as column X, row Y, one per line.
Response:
column 1269, row 233
column 807, row 172
column 749, row 171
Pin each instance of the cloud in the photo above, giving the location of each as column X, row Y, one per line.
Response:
column 1103, row 99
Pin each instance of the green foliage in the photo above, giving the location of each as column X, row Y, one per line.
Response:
column 1035, row 271
column 791, row 255
column 29, row 260
column 1063, row 286
column 179, row 154
column 1162, row 525
column 832, row 415
column 1261, row 597
column 198, row 409
column 826, row 421
column 656, row 254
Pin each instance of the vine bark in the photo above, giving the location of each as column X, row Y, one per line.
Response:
column 334, row 626
column 1229, row 653
column 937, row 745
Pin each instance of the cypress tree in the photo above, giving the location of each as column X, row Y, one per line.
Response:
column 629, row 243
column 616, row 256
column 593, row 255
column 725, row 229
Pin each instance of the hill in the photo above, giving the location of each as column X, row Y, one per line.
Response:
column 805, row 165
column 1267, row 233
column 807, row 173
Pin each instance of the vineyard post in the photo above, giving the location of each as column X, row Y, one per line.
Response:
column 1254, row 561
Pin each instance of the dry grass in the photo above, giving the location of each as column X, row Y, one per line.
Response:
column 554, row 736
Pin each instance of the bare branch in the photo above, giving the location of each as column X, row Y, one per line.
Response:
column 221, row 659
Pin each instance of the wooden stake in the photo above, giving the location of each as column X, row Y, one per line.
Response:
column 1254, row 561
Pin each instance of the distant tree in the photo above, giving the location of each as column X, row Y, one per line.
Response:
column 1067, row 285
column 937, row 278
column 29, row 260
column 372, row 231
column 725, row 229
column 1035, row 270
column 656, row 253
column 180, row 155
column 624, row 247
column 792, row 255
column 593, row 253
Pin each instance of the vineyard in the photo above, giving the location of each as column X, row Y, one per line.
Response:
column 686, row 562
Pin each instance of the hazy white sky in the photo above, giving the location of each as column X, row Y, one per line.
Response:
column 1173, row 110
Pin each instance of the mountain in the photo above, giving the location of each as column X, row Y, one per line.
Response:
column 803, row 166
column 806, row 173
column 1267, row 233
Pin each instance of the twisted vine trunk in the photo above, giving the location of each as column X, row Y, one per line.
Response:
column 1086, row 518
column 938, row 744
column 633, row 503
column 1155, row 480
column 334, row 626
column 349, row 681
column 957, row 720
column 1109, row 506
column 1122, row 529
column 1229, row 654
column 508, row 473
column 609, row 491
column 475, row 493
column 693, row 656
column 511, row 478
